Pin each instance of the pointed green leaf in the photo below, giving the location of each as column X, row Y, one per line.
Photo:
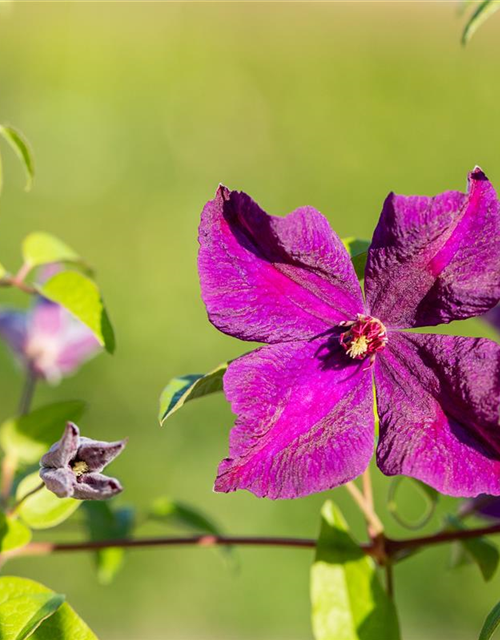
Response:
column 22, row 149
column 483, row 11
column 40, row 248
column 106, row 523
column 61, row 624
column 491, row 623
column 81, row 297
column 481, row 551
column 358, row 250
column 189, row 387
column 20, row 617
column 26, row 438
column 3, row 270
column 13, row 534
column 348, row 602
column 43, row 509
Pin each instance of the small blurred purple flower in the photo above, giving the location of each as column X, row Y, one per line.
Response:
column 48, row 339
column 304, row 401
column 71, row 468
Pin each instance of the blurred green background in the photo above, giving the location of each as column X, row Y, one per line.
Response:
column 136, row 112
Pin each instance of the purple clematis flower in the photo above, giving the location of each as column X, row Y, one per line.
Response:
column 304, row 402
column 72, row 466
column 48, row 339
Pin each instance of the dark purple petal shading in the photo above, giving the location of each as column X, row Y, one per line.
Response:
column 64, row 450
column 434, row 260
column 95, row 486
column 59, row 481
column 304, row 420
column 483, row 506
column 493, row 318
column 272, row 279
column 438, row 400
column 98, row 454
column 13, row 327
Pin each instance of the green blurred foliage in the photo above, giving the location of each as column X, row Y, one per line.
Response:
column 136, row 112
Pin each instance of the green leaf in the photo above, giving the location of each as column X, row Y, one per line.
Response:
column 40, row 248
column 81, row 297
column 43, row 509
column 430, row 494
column 26, row 438
column 358, row 250
column 483, row 11
column 3, row 270
column 178, row 514
column 21, row 148
column 13, row 534
column 479, row 550
column 21, row 616
column 348, row 602
column 60, row 624
column 491, row 623
column 189, row 387
column 106, row 523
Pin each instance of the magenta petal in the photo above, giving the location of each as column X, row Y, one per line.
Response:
column 273, row 279
column 434, row 260
column 438, row 399
column 304, row 420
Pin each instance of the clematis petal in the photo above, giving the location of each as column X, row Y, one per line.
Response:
column 47, row 319
column 59, row 481
column 273, row 279
column 434, row 260
column 13, row 326
column 304, row 420
column 79, row 345
column 438, row 400
column 99, row 454
column 64, row 450
column 95, row 486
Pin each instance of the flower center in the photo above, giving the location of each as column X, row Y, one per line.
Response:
column 365, row 337
column 79, row 467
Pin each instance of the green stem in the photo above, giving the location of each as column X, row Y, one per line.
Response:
column 28, row 392
column 16, row 506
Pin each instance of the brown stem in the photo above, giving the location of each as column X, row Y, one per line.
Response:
column 393, row 546
column 382, row 548
column 44, row 548
column 18, row 280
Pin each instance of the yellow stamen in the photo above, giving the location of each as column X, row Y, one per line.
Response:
column 358, row 347
column 80, row 467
